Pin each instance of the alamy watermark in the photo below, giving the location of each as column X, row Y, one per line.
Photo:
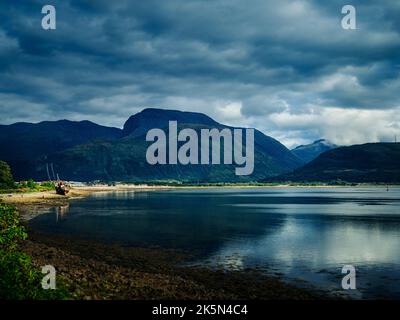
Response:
column 349, row 280
column 349, row 21
column 49, row 20
column 165, row 150
column 49, row 280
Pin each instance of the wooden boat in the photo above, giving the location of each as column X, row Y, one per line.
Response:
column 61, row 188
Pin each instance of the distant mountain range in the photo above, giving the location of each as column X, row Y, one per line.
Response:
column 85, row 151
column 309, row 152
column 371, row 162
column 25, row 145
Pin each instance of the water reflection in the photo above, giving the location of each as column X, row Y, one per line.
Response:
column 314, row 243
column 303, row 233
column 61, row 212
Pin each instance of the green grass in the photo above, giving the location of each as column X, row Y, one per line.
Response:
column 28, row 186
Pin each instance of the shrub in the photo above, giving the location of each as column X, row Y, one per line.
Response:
column 6, row 178
column 31, row 184
column 19, row 279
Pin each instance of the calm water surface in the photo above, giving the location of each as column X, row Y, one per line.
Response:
column 305, row 235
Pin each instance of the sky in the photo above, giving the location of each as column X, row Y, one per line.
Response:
column 287, row 68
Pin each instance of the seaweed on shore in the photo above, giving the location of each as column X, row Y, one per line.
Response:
column 94, row 270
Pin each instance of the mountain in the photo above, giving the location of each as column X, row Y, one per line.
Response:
column 21, row 143
column 138, row 125
column 371, row 162
column 150, row 118
column 121, row 155
column 309, row 152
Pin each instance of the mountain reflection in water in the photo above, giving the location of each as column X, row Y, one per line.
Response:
column 303, row 234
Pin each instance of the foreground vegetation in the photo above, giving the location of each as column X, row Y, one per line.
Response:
column 19, row 279
column 6, row 178
column 8, row 185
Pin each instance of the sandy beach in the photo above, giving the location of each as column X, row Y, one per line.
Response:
column 28, row 202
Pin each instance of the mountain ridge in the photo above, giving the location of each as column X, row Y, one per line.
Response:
column 369, row 162
column 120, row 154
column 311, row 151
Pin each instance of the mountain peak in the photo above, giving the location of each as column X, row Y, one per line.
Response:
column 150, row 118
column 310, row 151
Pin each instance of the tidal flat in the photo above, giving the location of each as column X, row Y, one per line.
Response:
column 282, row 242
column 96, row 271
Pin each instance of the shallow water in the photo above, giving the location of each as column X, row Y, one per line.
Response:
column 305, row 235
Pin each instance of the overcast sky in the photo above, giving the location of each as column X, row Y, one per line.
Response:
column 285, row 67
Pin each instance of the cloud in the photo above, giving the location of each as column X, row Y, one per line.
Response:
column 343, row 127
column 249, row 64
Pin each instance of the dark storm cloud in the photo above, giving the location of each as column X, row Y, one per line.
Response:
column 267, row 60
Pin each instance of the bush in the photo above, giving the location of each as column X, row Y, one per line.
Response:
column 10, row 229
column 31, row 184
column 19, row 279
column 6, row 178
column 47, row 185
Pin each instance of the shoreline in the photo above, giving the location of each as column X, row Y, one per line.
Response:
column 95, row 270
column 28, row 203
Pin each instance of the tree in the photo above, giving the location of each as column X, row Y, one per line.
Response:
column 6, row 178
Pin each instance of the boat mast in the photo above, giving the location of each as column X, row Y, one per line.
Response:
column 52, row 170
column 48, row 172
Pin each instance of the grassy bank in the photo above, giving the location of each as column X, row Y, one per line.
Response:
column 28, row 186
